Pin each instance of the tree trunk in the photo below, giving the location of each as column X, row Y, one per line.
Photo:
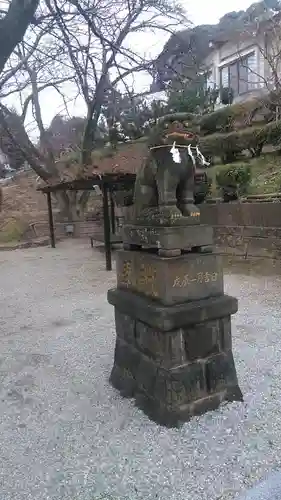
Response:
column 94, row 111
column 14, row 25
column 89, row 136
column 72, row 204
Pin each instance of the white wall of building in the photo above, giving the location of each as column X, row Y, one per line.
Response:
column 234, row 51
column 3, row 158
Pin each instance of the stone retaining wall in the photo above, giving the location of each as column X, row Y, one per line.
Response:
column 82, row 229
column 245, row 229
column 259, row 214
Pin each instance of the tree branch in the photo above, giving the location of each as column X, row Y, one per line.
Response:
column 26, row 147
column 29, row 98
column 13, row 71
column 14, row 25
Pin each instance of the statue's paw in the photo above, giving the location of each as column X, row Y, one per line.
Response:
column 190, row 211
column 170, row 212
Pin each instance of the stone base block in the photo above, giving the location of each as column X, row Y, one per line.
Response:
column 178, row 368
column 168, row 238
column 168, row 318
column 180, row 279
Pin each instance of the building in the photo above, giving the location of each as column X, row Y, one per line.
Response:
column 3, row 158
column 247, row 61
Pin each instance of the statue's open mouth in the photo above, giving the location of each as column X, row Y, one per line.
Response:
column 182, row 135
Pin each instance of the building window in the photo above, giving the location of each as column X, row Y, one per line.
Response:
column 208, row 80
column 241, row 75
column 209, row 83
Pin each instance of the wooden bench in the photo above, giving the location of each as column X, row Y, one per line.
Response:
column 114, row 239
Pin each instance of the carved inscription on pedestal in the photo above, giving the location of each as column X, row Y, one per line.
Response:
column 169, row 280
column 143, row 235
column 146, row 281
column 125, row 277
column 188, row 279
column 142, row 277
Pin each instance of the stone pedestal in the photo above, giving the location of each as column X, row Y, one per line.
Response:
column 173, row 349
column 169, row 240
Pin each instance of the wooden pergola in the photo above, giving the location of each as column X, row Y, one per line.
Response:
column 108, row 183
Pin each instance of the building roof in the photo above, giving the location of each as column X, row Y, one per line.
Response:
column 114, row 181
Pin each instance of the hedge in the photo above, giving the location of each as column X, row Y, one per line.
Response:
column 236, row 115
column 229, row 145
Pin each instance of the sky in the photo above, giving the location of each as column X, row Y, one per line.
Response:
column 209, row 12
column 198, row 12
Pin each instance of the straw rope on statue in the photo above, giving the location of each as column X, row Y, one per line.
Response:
column 194, row 153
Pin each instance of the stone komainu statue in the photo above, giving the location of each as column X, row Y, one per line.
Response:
column 165, row 182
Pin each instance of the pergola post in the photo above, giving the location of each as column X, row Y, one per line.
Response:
column 51, row 220
column 108, row 183
column 106, row 227
column 112, row 213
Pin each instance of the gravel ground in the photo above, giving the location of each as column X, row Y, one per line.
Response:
column 269, row 489
column 66, row 434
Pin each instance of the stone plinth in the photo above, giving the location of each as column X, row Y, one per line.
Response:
column 169, row 238
column 173, row 324
column 171, row 280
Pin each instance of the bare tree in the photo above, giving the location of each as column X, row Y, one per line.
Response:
column 34, row 66
column 15, row 17
column 85, row 43
column 96, row 35
column 270, row 52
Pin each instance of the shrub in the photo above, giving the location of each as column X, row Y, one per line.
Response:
column 234, row 180
column 226, row 146
column 229, row 146
column 220, row 120
column 253, row 139
column 233, row 116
